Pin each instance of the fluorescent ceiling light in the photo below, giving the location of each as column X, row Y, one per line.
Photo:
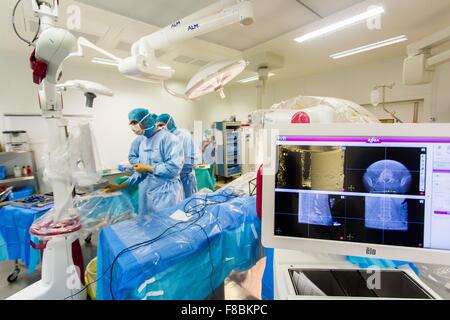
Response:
column 369, row 47
column 254, row 78
column 341, row 24
column 105, row 61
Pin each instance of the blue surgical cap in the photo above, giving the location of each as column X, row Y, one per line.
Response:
column 138, row 114
column 146, row 119
column 167, row 119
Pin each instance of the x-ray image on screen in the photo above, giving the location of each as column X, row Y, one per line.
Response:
column 380, row 170
column 315, row 209
column 387, row 214
column 311, row 168
column 345, row 218
column 388, row 177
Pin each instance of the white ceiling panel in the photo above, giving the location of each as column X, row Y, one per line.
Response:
column 327, row 7
column 155, row 12
column 272, row 17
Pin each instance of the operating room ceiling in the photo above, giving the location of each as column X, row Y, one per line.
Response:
column 274, row 30
column 273, row 17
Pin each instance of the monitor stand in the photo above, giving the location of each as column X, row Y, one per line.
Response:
column 305, row 276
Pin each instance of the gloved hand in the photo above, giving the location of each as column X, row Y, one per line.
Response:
column 143, row 168
column 113, row 188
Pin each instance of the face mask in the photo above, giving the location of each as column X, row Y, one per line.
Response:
column 137, row 129
column 165, row 126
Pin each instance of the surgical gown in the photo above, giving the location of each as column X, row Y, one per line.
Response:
column 133, row 155
column 162, row 188
column 187, row 176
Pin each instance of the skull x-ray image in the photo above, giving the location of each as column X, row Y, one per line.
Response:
column 387, row 177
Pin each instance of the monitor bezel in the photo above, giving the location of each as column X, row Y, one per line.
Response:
column 270, row 240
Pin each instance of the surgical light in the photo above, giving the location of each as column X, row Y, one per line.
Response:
column 142, row 65
column 213, row 77
column 341, row 24
column 255, row 78
column 369, row 47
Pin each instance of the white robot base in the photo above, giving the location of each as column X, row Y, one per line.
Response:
column 61, row 272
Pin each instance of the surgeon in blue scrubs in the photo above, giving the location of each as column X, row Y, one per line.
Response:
column 188, row 177
column 161, row 160
column 133, row 155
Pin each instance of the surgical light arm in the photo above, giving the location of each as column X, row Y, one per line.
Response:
column 420, row 64
column 142, row 64
column 211, row 18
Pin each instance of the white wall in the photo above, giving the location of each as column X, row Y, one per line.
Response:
column 353, row 83
column 19, row 95
column 441, row 93
column 110, row 114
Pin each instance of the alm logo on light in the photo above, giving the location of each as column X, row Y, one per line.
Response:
column 176, row 24
column 193, row 27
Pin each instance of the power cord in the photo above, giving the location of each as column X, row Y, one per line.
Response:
column 210, row 258
column 206, row 201
column 204, row 204
column 29, row 43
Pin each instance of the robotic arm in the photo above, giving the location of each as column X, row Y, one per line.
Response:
column 90, row 90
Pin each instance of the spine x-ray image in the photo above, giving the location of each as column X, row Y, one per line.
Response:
column 316, row 210
column 387, row 177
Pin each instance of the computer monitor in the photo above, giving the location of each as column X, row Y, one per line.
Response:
column 370, row 190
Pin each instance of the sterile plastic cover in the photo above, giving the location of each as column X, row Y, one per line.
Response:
column 99, row 210
column 320, row 109
column 93, row 211
column 178, row 265
column 84, row 157
column 77, row 159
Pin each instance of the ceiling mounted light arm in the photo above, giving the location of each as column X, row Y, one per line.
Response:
column 143, row 65
column 419, row 67
column 212, row 18
column 207, row 11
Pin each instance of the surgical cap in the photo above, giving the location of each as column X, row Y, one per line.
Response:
column 167, row 119
column 139, row 114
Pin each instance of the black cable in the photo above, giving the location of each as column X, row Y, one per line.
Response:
column 111, row 265
column 210, row 258
column 29, row 43
column 227, row 196
column 201, row 213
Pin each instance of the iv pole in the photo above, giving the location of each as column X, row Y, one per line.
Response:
column 383, row 91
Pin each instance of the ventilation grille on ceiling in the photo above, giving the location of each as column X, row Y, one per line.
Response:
column 183, row 59
column 200, row 63
column 123, row 46
column 190, row 60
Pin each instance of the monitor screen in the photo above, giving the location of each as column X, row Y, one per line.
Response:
column 383, row 191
